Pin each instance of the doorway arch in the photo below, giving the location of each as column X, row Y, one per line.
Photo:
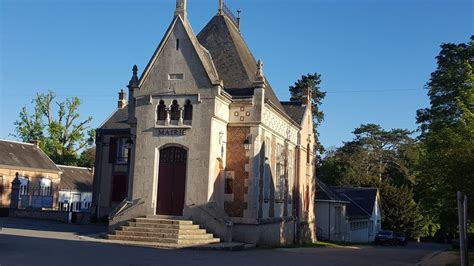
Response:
column 171, row 181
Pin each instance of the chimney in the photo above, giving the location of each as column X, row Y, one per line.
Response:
column 306, row 97
column 35, row 142
column 181, row 9
column 121, row 101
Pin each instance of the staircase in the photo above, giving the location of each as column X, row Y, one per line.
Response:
column 165, row 232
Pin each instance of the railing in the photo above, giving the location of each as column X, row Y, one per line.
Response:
column 229, row 13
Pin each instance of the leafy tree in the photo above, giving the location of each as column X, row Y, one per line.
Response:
column 312, row 82
column 62, row 136
column 447, row 137
column 87, row 158
column 375, row 155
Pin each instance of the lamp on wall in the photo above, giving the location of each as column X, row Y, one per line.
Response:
column 248, row 143
column 129, row 143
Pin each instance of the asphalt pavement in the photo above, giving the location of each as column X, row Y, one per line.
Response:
column 31, row 242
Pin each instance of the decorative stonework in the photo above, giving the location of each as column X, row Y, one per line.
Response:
column 280, row 126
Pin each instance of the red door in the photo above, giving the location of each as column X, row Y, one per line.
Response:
column 171, row 181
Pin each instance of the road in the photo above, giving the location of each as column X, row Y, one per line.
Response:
column 30, row 242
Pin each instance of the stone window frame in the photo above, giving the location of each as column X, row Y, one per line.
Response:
column 267, row 171
column 122, row 151
column 45, row 190
column 24, row 185
column 280, row 174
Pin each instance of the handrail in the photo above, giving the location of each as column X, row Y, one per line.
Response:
column 120, row 208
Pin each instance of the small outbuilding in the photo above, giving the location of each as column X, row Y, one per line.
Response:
column 75, row 193
column 350, row 214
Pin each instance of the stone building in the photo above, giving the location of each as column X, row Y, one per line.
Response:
column 38, row 175
column 203, row 136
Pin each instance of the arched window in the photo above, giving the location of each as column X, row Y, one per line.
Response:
column 45, row 187
column 188, row 110
column 161, row 111
column 175, row 110
column 23, row 185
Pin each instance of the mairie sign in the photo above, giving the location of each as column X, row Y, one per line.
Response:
column 171, row 132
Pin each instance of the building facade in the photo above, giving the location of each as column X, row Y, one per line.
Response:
column 38, row 175
column 203, row 125
column 75, row 192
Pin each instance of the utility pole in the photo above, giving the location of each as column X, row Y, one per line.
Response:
column 462, row 228
column 466, row 241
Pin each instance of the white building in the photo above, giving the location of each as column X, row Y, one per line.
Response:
column 349, row 214
column 75, row 189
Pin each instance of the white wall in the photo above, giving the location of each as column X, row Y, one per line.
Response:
column 331, row 217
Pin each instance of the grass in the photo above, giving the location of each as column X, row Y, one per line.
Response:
column 319, row 244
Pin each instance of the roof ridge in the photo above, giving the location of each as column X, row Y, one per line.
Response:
column 17, row 142
column 73, row 166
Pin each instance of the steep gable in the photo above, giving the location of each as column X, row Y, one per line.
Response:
column 178, row 53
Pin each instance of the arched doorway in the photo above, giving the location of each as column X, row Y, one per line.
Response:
column 171, row 181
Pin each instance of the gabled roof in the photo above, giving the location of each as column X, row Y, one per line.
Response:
column 362, row 200
column 203, row 54
column 76, row 178
column 232, row 58
column 325, row 193
column 25, row 155
column 295, row 110
column 118, row 120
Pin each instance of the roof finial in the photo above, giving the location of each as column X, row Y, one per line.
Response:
column 238, row 18
column 181, row 8
column 134, row 80
column 260, row 76
column 220, row 11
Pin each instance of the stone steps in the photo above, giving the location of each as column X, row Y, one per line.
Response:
column 158, row 230
column 162, row 230
column 163, row 235
column 163, row 226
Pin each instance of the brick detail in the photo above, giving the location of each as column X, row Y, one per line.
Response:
column 236, row 161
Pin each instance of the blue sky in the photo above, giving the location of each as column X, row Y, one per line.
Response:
column 375, row 56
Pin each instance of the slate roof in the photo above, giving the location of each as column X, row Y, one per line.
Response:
column 25, row 155
column 323, row 192
column 118, row 120
column 295, row 110
column 361, row 200
column 76, row 178
column 232, row 58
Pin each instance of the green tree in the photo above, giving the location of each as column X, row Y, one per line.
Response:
column 400, row 211
column 312, row 82
column 62, row 136
column 87, row 158
column 447, row 137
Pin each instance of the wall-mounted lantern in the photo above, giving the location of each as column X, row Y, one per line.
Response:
column 129, row 143
column 248, row 143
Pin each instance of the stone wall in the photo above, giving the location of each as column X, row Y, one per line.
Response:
column 60, row 216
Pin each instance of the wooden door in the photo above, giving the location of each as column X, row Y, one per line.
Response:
column 171, row 181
